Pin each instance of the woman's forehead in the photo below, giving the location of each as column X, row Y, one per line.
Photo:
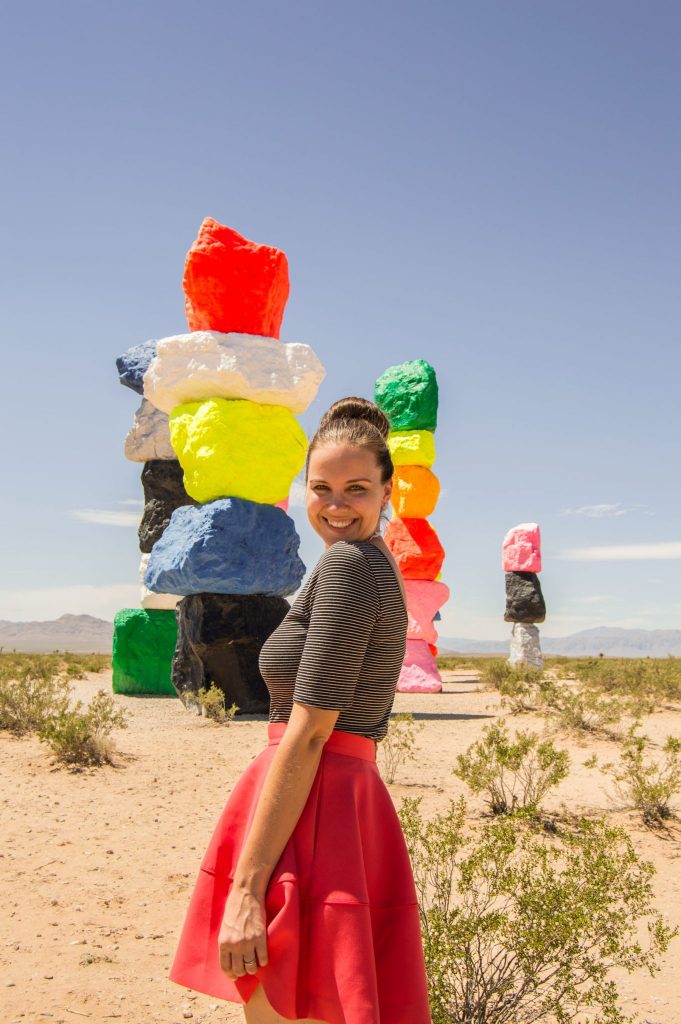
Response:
column 343, row 460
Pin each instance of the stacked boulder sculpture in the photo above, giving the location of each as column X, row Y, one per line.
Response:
column 408, row 395
column 217, row 424
column 521, row 557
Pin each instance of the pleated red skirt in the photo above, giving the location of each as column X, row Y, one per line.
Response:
column 343, row 933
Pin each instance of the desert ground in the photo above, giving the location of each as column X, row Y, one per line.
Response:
column 97, row 865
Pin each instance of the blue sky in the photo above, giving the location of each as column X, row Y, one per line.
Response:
column 489, row 186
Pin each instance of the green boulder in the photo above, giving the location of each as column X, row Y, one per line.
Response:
column 407, row 394
column 144, row 641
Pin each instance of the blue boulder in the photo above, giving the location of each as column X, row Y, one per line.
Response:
column 228, row 546
column 133, row 364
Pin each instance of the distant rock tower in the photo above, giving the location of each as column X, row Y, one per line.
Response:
column 408, row 395
column 221, row 445
column 521, row 559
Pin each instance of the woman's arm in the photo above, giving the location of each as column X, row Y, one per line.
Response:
column 284, row 795
column 282, row 798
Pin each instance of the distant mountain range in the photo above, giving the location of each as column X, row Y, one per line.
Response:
column 87, row 634
column 607, row 640
column 82, row 634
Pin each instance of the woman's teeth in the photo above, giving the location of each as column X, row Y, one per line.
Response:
column 339, row 524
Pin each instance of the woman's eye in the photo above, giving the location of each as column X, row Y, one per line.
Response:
column 320, row 487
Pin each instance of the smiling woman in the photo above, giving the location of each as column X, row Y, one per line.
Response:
column 305, row 906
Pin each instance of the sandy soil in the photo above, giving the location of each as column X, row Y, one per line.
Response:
column 97, row 866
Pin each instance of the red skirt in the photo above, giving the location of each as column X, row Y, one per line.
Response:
column 343, row 933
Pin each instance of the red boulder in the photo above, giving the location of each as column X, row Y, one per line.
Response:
column 234, row 285
column 415, row 547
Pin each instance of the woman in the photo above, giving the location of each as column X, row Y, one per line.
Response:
column 305, row 906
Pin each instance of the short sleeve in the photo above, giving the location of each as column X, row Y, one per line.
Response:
column 343, row 613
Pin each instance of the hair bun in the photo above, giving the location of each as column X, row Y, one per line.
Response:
column 354, row 408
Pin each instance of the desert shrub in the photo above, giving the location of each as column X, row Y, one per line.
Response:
column 515, row 774
column 497, row 673
column 82, row 737
column 450, row 662
column 212, row 705
column 650, row 681
column 648, row 785
column 521, row 927
column 31, row 690
column 397, row 746
column 585, row 710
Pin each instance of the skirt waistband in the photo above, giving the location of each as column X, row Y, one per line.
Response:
column 340, row 742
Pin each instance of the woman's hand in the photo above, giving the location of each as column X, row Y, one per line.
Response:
column 243, row 935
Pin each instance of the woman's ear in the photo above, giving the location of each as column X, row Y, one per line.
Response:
column 387, row 491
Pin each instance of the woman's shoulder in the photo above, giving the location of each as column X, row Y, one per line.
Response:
column 347, row 561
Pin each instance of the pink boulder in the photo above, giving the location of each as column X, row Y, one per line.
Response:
column 424, row 599
column 419, row 671
column 521, row 550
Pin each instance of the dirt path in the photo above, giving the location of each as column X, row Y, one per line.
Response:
column 97, row 866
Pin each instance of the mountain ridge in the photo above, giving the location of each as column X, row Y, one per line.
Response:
column 89, row 634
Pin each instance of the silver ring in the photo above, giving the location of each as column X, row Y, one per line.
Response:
column 255, row 960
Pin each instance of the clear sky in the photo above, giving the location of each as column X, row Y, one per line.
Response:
column 491, row 186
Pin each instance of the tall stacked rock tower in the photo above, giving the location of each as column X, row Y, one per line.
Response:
column 521, row 557
column 227, row 394
column 408, row 395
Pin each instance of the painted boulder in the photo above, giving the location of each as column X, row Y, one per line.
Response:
column 424, row 598
column 415, row 492
column 521, row 549
column 219, row 641
column 162, row 482
column 238, row 449
column 407, row 394
column 524, row 598
column 133, row 364
column 148, row 599
column 415, row 547
column 233, row 284
column 419, row 673
column 143, row 644
column 208, row 364
column 412, row 447
column 229, row 546
column 525, row 647
column 149, row 435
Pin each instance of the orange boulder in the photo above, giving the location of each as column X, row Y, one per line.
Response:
column 415, row 547
column 234, row 285
column 415, row 492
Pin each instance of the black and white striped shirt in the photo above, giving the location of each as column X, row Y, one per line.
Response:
column 342, row 644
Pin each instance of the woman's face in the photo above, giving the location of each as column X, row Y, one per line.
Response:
column 344, row 493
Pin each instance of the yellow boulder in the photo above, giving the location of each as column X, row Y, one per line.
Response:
column 412, row 447
column 233, row 448
column 415, row 492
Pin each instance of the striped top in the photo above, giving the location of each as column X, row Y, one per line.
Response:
column 342, row 644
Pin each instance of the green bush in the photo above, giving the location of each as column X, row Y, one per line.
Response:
column 212, row 705
column 397, row 746
column 82, row 737
column 31, row 690
column 647, row 785
column 522, row 927
column 650, row 681
column 515, row 774
column 587, row 710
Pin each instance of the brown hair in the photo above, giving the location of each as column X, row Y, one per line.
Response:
column 357, row 422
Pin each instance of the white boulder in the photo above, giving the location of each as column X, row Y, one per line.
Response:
column 149, row 435
column 208, row 364
column 525, row 646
